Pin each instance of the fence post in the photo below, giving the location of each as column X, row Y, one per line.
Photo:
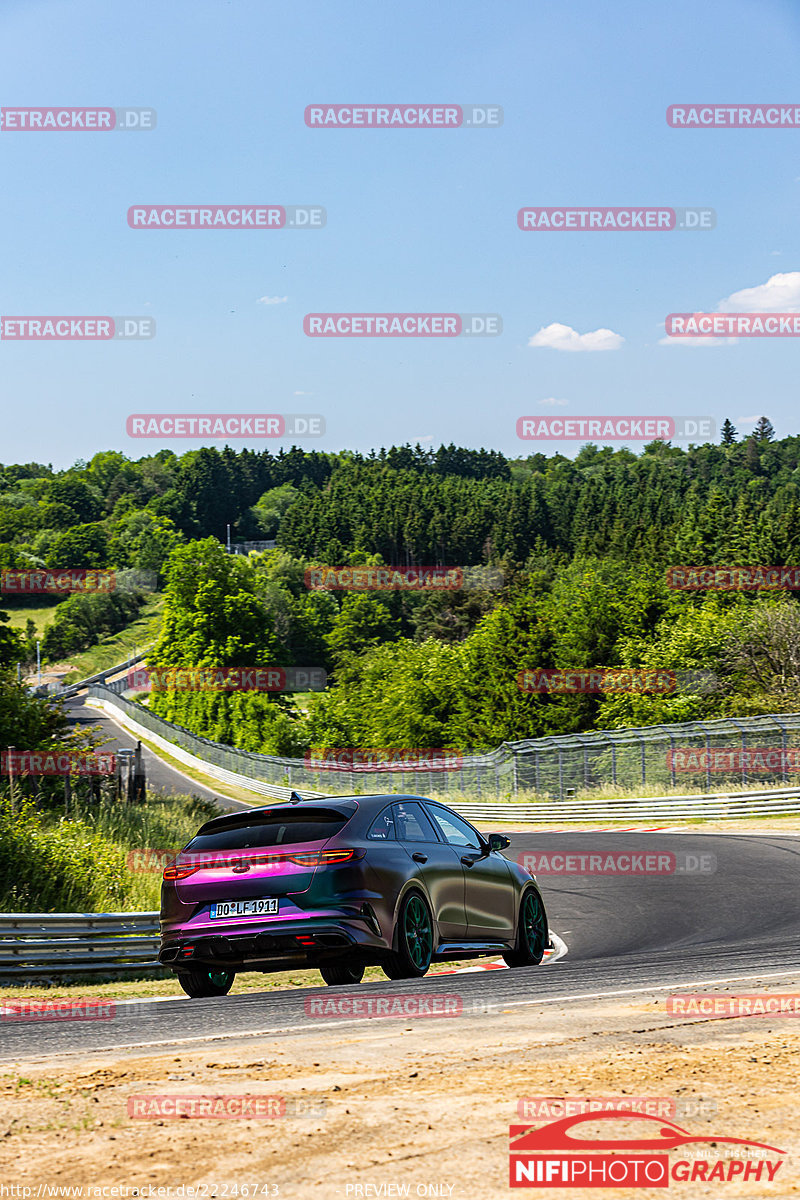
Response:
column 743, row 738
column 139, row 780
column 708, row 760
column 784, row 751
column 11, row 793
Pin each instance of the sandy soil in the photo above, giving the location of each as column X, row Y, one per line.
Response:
column 406, row 1107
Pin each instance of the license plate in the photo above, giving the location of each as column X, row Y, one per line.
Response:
column 244, row 908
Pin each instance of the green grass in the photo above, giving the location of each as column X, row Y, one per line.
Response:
column 140, row 986
column 139, row 634
column 19, row 613
column 92, row 860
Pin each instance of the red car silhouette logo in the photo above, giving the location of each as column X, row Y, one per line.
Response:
column 526, row 1139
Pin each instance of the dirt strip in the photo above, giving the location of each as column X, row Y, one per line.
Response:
column 405, row 1107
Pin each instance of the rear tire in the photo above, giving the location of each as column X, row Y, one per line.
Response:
column 341, row 973
column 205, row 981
column 414, row 951
column 532, row 933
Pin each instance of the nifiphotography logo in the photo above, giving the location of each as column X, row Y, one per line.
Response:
column 555, row 1156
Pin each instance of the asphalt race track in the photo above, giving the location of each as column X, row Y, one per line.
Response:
column 159, row 775
column 624, row 934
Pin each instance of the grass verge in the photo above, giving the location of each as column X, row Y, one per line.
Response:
column 119, row 646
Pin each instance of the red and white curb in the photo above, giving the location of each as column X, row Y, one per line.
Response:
column 614, row 829
column 558, row 950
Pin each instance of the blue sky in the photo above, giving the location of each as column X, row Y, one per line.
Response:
column 421, row 221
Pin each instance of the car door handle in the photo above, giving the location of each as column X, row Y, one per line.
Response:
column 419, row 857
column 467, row 861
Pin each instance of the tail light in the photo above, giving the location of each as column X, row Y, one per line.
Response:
column 173, row 873
column 306, row 858
column 323, row 858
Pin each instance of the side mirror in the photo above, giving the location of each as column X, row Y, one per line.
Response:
column 498, row 841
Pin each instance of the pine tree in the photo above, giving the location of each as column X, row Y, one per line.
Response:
column 764, row 430
column 728, row 433
column 751, row 455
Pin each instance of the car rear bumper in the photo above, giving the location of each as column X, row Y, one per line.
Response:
column 292, row 943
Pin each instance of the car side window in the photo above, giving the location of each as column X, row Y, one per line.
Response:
column 453, row 829
column 382, row 828
column 411, row 823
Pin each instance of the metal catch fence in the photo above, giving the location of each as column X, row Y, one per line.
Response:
column 761, row 751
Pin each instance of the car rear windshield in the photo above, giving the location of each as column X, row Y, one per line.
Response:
column 279, row 828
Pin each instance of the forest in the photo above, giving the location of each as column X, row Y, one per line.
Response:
column 566, row 565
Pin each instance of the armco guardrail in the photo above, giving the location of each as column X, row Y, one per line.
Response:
column 72, row 689
column 717, row 806
column 44, row 944
column 142, row 723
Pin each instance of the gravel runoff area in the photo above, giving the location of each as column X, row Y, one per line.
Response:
column 392, row 1107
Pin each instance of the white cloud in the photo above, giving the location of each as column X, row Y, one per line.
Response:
column 697, row 341
column 551, row 402
column 422, row 440
column 563, row 337
column 303, row 393
column 272, row 299
column 781, row 293
column 746, row 420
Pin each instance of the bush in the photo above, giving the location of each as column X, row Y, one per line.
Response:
column 51, row 863
column 83, row 620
